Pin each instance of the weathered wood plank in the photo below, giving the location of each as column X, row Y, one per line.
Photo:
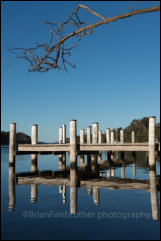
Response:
column 83, row 147
column 115, row 147
column 43, row 147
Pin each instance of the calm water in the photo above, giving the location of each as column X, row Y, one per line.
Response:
column 44, row 212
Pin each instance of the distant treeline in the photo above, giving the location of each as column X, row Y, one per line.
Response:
column 141, row 128
column 21, row 138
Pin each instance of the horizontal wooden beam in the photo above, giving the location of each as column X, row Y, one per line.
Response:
column 115, row 147
column 83, row 147
column 43, row 147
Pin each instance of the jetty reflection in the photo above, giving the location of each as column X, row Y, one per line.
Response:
column 92, row 175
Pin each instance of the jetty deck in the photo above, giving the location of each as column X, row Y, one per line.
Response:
column 82, row 147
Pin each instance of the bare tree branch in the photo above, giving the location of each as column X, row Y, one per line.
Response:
column 55, row 52
column 88, row 9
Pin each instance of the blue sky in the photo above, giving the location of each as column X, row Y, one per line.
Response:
column 117, row 77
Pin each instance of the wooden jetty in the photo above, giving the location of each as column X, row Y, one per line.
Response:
column 93, row 149
column 74, row 148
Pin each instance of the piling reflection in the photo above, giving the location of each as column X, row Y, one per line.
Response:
column 109, row 172
column 94, row 163
column 112, row 171
column 73, row 190
column 62, row 161
column 34, row 192
column 64, row 194
column 34, row 168
column 88, row 165
column 134, row 170
column 99, row 157
column 123, row 170
column 154, row 194
column 96, row 196
column 34, row 162
column 82, row 161
column 92, row 177
column 12, row 195
column 89, row 191
column 62, row 190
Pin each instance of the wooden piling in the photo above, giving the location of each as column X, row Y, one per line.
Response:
column 34, row 140
column 133, row 137
column 108, row 139
column 123, row 170
column 112, row 155
column 12, row 143
column 34, row 134
column 122, row 155
column 34, row 163
column 61, row 129
column 89, row 161
column 99, row 137
column 152, row 124
column 134, row 169
column 94, row 163
column 82, row 133
column 60, row 135
column 64, row 161
column 109, row 172
column 64, row 134
column 94, row 141
column 121, row 136
column 99, row 142
column 99, row 157
column 112, row 137
column 73, row 142
column 60, row 162
column 95, row 133
column 89, row 140
column 109, row 155
column 64, row 141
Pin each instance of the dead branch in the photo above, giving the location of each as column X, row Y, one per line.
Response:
column 55, row 52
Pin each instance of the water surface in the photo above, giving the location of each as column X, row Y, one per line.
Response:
column 47, row 212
